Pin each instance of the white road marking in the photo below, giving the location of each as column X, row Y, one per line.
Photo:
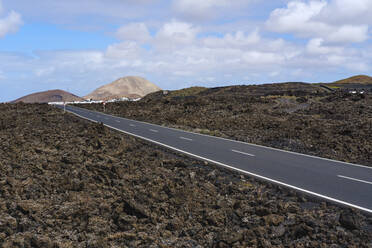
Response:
column 153, row 130
column 132, row 125
column 248, row 154
column 236, row 169
column 117, row 121
column 246, row 143
column 185, row 138
column 354, row 179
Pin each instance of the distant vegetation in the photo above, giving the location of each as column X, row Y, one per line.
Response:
column 360, row 79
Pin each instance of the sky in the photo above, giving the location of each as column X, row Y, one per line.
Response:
column 79, row 45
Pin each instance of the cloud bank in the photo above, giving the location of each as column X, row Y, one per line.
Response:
column 10, row 23
column 188, row 42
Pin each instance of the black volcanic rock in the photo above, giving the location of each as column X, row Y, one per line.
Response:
column 297, row 117
column 58, row 190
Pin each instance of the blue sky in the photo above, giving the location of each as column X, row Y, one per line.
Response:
column 78, row 45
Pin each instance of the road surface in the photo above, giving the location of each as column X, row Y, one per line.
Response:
column 339, row 182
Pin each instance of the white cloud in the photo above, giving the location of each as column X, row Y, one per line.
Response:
column 44, row 71
column 297, row 17
column 72, row 58
column 274, row 74
column 348, row 12
column 175, row 34
column 237, row 39
column 306, row 19
column 127, row 50
column 201, row 10
column 349, row 34
column 193, row 62
column 183, row 53
column 315, row 46
column 189, row 5
column 260, row 58
column 10, row 23
column 198, row 9
column 134, row 32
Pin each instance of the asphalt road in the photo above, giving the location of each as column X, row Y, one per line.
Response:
column 339, row 182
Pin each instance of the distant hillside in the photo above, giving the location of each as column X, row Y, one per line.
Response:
column 234, row 91
column 360, row 79
column 49, row 96
column 130, row 87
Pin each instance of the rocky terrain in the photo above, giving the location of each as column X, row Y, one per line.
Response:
column 49, row 96
column 66, row 182
column 298, row 117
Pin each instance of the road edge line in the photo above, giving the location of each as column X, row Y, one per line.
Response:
column 236, row 169
column 238, row 141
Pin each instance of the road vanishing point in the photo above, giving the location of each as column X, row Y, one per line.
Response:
column 339, row 182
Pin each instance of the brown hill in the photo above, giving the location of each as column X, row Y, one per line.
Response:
column 130, row 87
column 49, row 96
column 360, row 79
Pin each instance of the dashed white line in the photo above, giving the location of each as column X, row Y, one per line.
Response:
column 354, row 179
column 246, row 143
column 244, row 153
column 240, row 170
column 132, row 125
column 185, row 138
column 117, row 121
column 153, row 130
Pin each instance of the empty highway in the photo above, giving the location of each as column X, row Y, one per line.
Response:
column 339, row 182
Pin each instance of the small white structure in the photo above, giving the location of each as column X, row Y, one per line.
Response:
column 123, row 99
